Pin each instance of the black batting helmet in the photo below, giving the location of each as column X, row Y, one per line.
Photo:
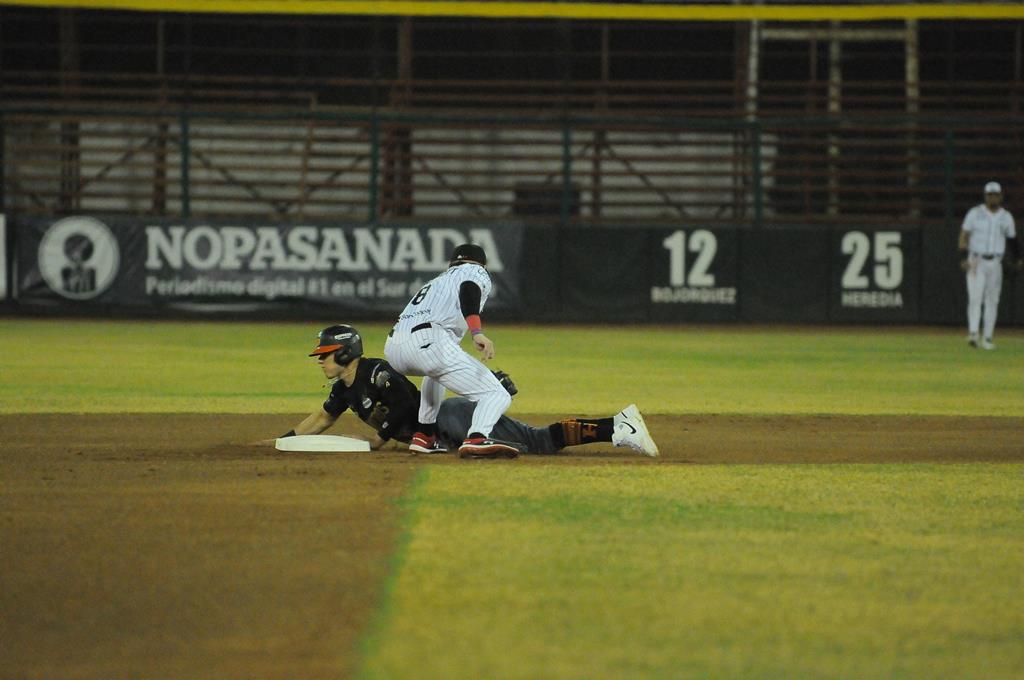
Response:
column 468, row 252
column 343, row 341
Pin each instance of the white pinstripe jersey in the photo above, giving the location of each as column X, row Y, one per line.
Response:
column 988, row 230
column 438, row 301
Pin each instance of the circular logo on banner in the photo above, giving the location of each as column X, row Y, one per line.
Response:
column 79, row 257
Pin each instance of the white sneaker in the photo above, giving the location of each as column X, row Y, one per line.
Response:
column 987, row 344
column 631, row 430
column 972, row 340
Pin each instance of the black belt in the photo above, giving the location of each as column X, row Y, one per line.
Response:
column 421, row 327
column 989, row 257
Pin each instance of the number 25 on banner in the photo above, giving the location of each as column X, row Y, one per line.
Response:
column 701, row 242
column 888, row 269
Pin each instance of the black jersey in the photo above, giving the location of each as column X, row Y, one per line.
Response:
column 382, row 397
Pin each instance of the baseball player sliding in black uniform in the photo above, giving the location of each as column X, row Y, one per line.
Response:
column 381, row 397
column 388, row 402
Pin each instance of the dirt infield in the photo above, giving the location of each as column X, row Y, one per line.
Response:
column 141, row 545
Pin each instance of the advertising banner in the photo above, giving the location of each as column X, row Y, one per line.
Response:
column 798, row 274
column 943, row 285
column 3, row 258
column 784, row 275
column 693, row 275
column 1013, row 290
column 876, row 275
column 357, row 270
column 603, row 274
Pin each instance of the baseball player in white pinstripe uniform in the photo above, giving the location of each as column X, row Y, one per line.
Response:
column 987, row 231
column 425, row 341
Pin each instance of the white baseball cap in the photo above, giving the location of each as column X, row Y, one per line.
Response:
column 993, row 188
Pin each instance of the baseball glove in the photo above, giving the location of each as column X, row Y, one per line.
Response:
column 506, row 381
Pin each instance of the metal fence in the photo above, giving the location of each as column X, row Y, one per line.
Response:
column 381, row 167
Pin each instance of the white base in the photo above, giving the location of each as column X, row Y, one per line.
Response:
column 321, row 443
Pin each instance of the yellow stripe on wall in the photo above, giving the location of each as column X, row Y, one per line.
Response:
column 558, row 10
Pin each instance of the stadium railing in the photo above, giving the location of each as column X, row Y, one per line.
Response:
column 564, row 167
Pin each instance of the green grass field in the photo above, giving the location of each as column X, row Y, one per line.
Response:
column 262, row 368
column 610, row 569
column 717, row 571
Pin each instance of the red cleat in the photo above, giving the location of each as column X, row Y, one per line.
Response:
column 425, row 443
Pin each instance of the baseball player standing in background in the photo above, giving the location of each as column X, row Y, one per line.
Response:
column 425, row 341
column 987, row 232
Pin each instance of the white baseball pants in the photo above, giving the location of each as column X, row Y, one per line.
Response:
column 435, row 354
column 984, row 284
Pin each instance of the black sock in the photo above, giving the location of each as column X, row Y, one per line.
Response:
column 557, row 437
column 429, row 429
column 581, row 431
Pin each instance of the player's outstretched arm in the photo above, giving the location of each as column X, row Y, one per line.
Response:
column 314, row 423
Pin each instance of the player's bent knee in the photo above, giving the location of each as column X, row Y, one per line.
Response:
column 503, row 399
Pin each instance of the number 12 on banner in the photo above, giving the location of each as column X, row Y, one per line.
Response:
column 701, row 242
